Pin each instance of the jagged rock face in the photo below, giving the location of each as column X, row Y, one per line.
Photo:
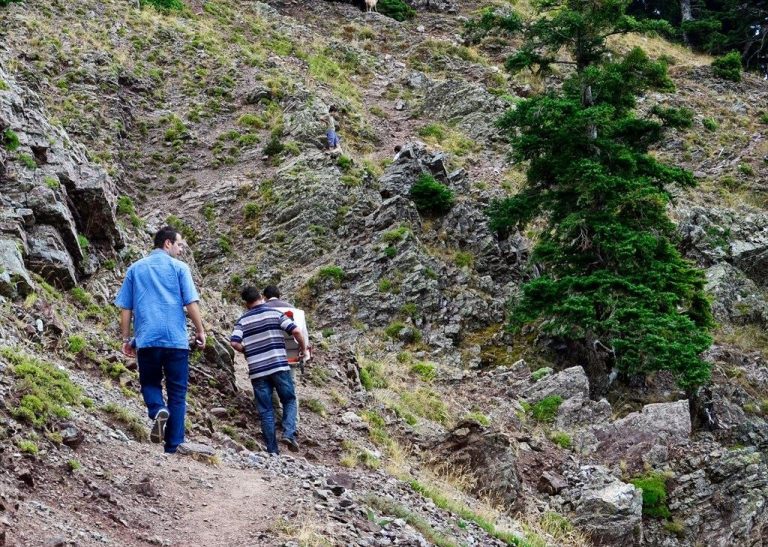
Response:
column 50, row 195
column 609, row 510
column 719, row 496
column 736, row 299
column 488, row 455
column 569, row 383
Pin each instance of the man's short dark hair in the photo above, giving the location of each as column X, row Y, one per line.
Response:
column 398, row 148
column 165, row 234
column 333, row 108
column 250, row 294
column 271, row 291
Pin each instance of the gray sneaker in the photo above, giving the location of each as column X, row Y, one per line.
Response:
column 291, row 443
column 157, row 434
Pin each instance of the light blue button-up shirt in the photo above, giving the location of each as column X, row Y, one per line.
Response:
column 155, row 289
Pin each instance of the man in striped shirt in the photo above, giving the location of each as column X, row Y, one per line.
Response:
column 259, row 335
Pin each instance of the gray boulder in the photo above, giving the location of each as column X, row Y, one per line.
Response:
column 48, row 257
column 607, row 509
column 736, row 298
column 569, row 383
column 14, row 278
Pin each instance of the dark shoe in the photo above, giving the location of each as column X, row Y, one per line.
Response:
column 157, row 435
column 291, row 443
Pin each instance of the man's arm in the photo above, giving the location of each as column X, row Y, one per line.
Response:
column 300, row 340
column 125, row 332
column 193, row 310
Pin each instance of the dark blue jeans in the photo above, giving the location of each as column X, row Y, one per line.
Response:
column 262, row 391
column 173, row 364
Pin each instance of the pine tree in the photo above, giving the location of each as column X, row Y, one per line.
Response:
column 611, row 277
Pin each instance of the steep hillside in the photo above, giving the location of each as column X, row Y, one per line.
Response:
column 422, row 420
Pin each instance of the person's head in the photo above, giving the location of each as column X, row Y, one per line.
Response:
column 271, row 291
column 250, row 296
column 333, row 108
column 169, row 240
column 398, row 148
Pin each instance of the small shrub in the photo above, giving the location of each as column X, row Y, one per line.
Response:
column 131, row 422
column 187, row 232
column 314, row 405
column 332, row 272
column 10, row 140
column 764, row 118
column 27, row 447
column 479, row 418
column 396, row 9
column 74, row 465
column 83, row 242
column 344, row 162
column 385, row 285
column 225, row 244
column 398, row 234
column 431, row 196
column 372, row 376
column 52, row 183
column 81, row 296
column 164, row 5
column 274, row 147
column 28, row 161
column 43, row 390
column 728, row 67
column 425, row 403
column 561, row 439
column 250, row 210
column 464, row 260
column 435, row 130
column 654, row 487
column 546, row 409
column 425, row 371
column 390, row 252
column 409, row 309
column 75, row 343
column 251, row 120
column 393, row 329
column 709, row 124
column 540, row 373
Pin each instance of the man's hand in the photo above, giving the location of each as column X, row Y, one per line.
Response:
column 237, row 346
column 128, row 349
column 200, row 339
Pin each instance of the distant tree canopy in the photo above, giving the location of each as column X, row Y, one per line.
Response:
column 715, row 26
column 608, row 274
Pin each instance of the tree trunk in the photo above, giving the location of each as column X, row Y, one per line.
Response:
column 588, row 100
column 686, row 15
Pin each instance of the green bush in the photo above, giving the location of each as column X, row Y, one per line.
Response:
column 27, row 447
column 398, row 234
column 396, row 9
column 728, row 67
column 709, row 124
column 479, row 418
column 431, row 196
column 425, row 371
column 561, row 439
column 274, row 147
column 331, row 272
column 10, row 140
column 164, row 5
column 654, row 487
column 75, row 343
column 28, row 161
column 43, row 390
column 372, row 376
column 540, row 373
column 545, row 410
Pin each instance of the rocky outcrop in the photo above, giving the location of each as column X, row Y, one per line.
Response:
column 567, row 384
column 487, row 455
column 53, row 199
column 467, row 104
column 609, row 510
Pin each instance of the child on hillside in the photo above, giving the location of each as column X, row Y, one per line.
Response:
column 334, row 142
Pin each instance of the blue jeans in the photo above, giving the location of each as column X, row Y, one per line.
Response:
column 262, row 390
column 333, row 139
column 173, row 364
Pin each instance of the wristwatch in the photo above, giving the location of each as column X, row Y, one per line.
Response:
column 127, row 340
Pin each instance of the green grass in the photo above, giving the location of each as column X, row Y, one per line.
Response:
column 76, row 343
column 28, row 161
column 373, row 376
column 544, row 410
column 426, row 403
column 392, row 508
column 332, row 272
column 43, row 390
column 478, row 418
column 126, row 418
column 425, row 371
column 654, row 487
column 10, row 140
column 74, row 465
column 396, row 235
column 464, row 512
column 561, row 439
column 315, row 405
column 540, row 373
column 27, row 447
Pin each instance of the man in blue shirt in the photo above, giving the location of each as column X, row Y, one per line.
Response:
column 154, row 294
